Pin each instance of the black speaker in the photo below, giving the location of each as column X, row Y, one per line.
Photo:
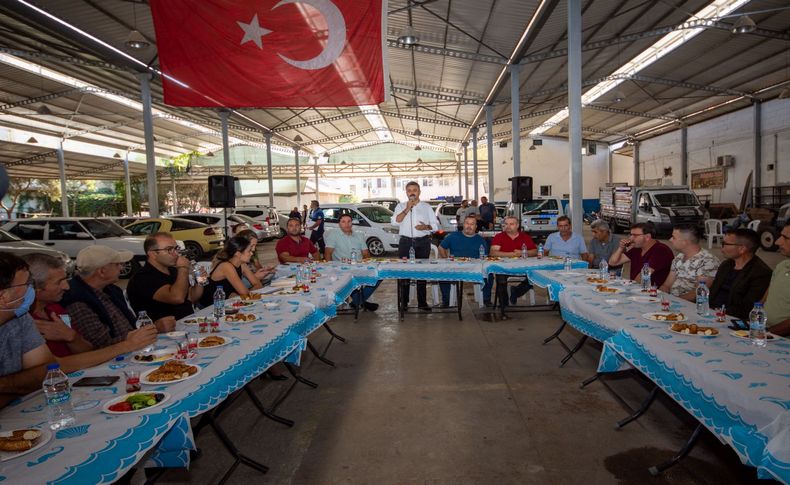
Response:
column 521, row 189
column 221, row 191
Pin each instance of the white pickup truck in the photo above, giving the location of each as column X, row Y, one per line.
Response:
column 539, row 217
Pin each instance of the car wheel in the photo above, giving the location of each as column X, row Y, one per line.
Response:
column 768, row 239
column 376, row 247
column 193, row 251
column 129, row 269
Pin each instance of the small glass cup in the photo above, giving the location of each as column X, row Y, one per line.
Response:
column 721, row 314
column 214, row 326
column 193, row 343
column 665, row 303
column 183, row 349
column 653, row 291
column 132, row 380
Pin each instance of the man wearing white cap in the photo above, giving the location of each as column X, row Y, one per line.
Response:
column 97, row 306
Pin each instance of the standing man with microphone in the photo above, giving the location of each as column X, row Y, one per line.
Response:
column 415, row 220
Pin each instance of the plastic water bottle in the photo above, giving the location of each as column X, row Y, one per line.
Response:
column 603, row 269
column 703, row 296
column 482, row 252
column 299, row 276
column 353, row 255
column 524, row 251
column 568, row 264
column 143, row 319
column 57, row 394
column 219, row 304
column 412, row 255
column 646, row 277
column 757, row 323
column 310, row 260
column 541, row 251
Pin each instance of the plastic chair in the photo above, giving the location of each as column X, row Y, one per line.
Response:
column 714, row 230
column 754, row 225
column 437, row 294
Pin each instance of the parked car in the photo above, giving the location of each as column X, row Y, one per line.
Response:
column 264, row 215
column 264, row 231
column 235, row 224
column 12, row 244
column 446, row 213
column 125, row 221
column 388, row 202
column 71, row 234
column 539, row 217
column 199, row 239
column 370, row 219
column 664, row 206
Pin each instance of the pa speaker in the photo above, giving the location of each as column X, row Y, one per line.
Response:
column 521, row 189
column 221, row 191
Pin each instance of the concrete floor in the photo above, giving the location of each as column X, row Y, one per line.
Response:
column 433, row 400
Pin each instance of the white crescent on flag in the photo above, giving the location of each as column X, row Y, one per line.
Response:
column 336, row 40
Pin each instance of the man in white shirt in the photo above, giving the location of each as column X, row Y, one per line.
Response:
column 415, row 221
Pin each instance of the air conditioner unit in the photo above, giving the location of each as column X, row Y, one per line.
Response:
column 725, row 161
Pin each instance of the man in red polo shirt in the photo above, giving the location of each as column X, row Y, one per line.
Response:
column 508, row 244
column 642, row 248
column 295, row 248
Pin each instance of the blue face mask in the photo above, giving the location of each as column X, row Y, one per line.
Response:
column 27, row 302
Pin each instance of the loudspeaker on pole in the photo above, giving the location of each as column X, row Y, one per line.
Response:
column 221, row 191
column 521, row 189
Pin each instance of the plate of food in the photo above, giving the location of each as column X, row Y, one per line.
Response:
column 251, row 297
column 20, row 442
column 665, row 316
column 241, row 318
column 196, row 320
column 595, row 280
column 241, row 304
column 135, row 402
column 288, row 291
column 745, row 334
column 175, row 335
column 493, row 258
column 155, row 356
column 607, row 289
column 645, row 299
column 271, row 305
column 213, row 341
column 693, row 329
column 170, row 372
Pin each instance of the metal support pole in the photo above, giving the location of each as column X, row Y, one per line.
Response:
column 474, row 164
column 392, row 186
column 636, row 164
column 223, row 116
column 298, row 180
column 490, row 138
column 269, row 176
column 684, row 155
column 315, row 168
column 575, row 112
column 148, row 131
column 64, row 200
column 128, row 185
column 758, row 147
column 466, row 170
column 609, row 168
column 458, row 170
column 175, row 194
column 515, row 109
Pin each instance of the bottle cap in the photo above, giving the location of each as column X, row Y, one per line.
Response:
column 119, row 358
column 53, row 366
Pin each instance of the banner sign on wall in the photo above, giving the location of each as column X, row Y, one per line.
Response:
column 709, row 178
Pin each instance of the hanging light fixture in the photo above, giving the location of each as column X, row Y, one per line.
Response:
column 413, row 103
column 418, row 148
column 32, row 140
column 417, row 132
column 43, row 110
column 209, row 153
column 744, row 25
column 136, row 41
column 409, row 36
column 116, row 155
column 298, row 139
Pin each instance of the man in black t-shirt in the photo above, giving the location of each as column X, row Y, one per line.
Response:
column 161, row 287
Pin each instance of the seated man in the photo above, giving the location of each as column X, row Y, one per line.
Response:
column 465, row 244
column 508, row 244
column 70, row 348
column 23, row 354
column 565, row 242
column 777, row 300
column 161, row 287
column 742, row 278
column 295, row 248
column 339, row 243
column 602, row 245
column 642, row 248
column 691, row 265
column 97, row 307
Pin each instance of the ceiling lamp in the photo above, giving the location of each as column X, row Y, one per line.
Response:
column 419, row 160
column 43, row 110
column 413, row 103
column 32, row 140
column 136, row 41
column 417, row 132
column 116, row 155
column 532, row 147
column 418, row 148
column 209, row 153
column 744, row 25
column 326, row 155
column 409, row 36
column 298, row 139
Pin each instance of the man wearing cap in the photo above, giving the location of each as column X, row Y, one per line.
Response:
column 96, row 305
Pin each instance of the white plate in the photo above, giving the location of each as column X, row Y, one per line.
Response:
column 693, row 334
column 283, row 282
column 736, row 333
column 645, row 299
column 160, row 356
column 177, row 335
column 595, row 283
column 616, row 291
column 228, row 341
column 144, row 377
column 655, row 317
column 106, row 407
column 46, row 436
column 257, row 318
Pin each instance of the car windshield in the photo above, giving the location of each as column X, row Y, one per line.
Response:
column 539, row 204
column 101, row 228
column 376, row 213
column 676, row 199
column 6, row 237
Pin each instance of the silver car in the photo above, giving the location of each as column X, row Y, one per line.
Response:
column 18, row 247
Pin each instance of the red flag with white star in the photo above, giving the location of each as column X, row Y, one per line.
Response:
column 271, row 53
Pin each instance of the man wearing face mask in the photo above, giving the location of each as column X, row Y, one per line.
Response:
column 23, row 354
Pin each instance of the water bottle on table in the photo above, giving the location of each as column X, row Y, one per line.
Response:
column 645, row 278
column 219, row 304
column 57, row 394
column 757, row 325
column 703, row 297
column 482, row 252
column 568, row 264
column 144, row 320
column 524, row 251
column 541, row 251
column 353, row 255
column 412, row 255
column 603, row 269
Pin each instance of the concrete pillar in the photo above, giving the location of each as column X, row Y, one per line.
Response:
column 474, row 164
column 223, row 116
column 610, row 162
column 490, row 138
column 175, row 193
column 64, row 200
column 684, row 155
column 269, row 176
column 298, row 180
column 466, row 169
column 458, row 170
column 148, row 131
column 515, row 109
column 128, row 184
column 315, row 169
column 758, row 148
column 392, row 186
column 575, row 112
column 636, row 163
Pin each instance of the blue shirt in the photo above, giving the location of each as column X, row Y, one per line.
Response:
column 458, row 244
column 342, row 244
column 572, row 248
column 317, row 215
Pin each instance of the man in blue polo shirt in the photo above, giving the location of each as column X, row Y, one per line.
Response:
column 464, row 244
column 565, row 243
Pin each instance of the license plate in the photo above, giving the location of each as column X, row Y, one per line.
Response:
column 540, row 221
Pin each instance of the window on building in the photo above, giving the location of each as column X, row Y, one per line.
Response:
column 545, row 190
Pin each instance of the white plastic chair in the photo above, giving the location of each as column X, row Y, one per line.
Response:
column 714, row 230
column 754, row 225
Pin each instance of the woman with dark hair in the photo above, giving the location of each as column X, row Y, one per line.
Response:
column 229, row 268
column 261, row 272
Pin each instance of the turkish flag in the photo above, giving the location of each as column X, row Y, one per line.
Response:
column 271, row 53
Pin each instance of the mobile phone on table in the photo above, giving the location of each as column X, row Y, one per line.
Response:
column 98, row 381
column 739, row 324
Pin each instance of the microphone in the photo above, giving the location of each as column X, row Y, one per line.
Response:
column 412, row 197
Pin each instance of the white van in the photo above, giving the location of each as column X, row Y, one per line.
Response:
column 372, row 220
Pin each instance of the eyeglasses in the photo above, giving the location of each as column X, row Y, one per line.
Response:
column 28, row 283
column 636, row 235
column 730, row 244
column 169, row 249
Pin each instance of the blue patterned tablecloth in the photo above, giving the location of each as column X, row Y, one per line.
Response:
column 556, row 281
